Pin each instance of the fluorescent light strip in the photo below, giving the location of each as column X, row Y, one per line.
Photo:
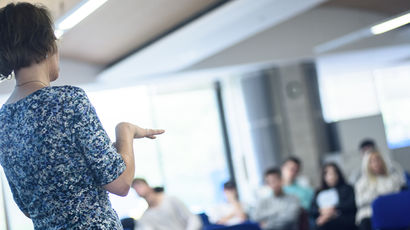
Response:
column 391, row 24
column 77, row 16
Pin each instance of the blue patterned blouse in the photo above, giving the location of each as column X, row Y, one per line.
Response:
column 56, row 157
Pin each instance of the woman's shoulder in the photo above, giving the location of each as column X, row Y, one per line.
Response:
column 345, row 190
column 346, row 187
column 68, row 94
column 68, row 90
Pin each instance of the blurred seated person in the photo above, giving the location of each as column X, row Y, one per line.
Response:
column 279, row 211
column 296, row 185
column 164, row 212
column 376, row 180
column 128, row 223
column 369, row 145
column 231, row 212
column 334, row 207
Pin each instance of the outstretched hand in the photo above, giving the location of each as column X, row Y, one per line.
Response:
column 148, row 133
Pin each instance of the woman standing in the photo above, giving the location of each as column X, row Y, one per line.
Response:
column 334, row 205
column 376, row 180
column 57, row 158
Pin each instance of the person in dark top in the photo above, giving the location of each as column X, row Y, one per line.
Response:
column 58, row 159
column 334, row 206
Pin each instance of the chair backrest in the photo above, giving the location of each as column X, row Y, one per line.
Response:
column 243, row 226
column 128, row 223
column 204, row 219
column 408, row 179
column 392, row 211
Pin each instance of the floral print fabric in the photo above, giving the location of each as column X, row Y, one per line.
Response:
column 56, row 157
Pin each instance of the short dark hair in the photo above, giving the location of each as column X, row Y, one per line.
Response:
column 294, row 160
column 159, row 189
column 273, row 171
column 139, row 181
column 367, row 143
column 26, row 37
column 230, row 185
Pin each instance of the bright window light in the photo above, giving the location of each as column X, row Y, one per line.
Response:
column 347, row 96
column 394, row 98
column 391, row 24
column 77, row 16
column 58, row 33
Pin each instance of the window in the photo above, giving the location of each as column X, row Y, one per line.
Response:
column 130, row 105
column 189, row 155
column 192, row 152
column 348, row 95
column 394, row 96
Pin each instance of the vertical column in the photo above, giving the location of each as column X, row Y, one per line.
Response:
column 263, row 118
column 285, row 116
column 304, row 122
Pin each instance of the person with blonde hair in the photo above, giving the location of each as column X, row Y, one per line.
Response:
column 376, row 180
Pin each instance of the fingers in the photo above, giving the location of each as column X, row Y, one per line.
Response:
column 150, row 133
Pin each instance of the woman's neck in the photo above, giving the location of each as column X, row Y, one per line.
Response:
column 29, row 80
column 35, row 74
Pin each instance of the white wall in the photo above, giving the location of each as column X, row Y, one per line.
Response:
column 402, row 156
column 77, row 73
column 352, row 132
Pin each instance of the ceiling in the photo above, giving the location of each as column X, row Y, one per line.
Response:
column 57, row 7
column 388, row 7
column 122, row 27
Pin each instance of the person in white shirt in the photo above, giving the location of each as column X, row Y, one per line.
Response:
column 376, row 180
column 230, row 212
column 278, row 211
column 368, row 145
column 164, row 212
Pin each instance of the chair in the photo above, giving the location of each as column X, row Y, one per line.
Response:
column 243, row 226
column 303, row 220
column 128, row 223
column 408, row 179
column 204, row 218
column 392, row 212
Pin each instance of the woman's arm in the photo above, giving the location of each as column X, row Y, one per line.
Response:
column 239, row 211
column 125, row 134
column 112, row 168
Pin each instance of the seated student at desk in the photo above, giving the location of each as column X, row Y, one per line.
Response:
column 278, row 211
column 230, row 212
column 164, row 212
